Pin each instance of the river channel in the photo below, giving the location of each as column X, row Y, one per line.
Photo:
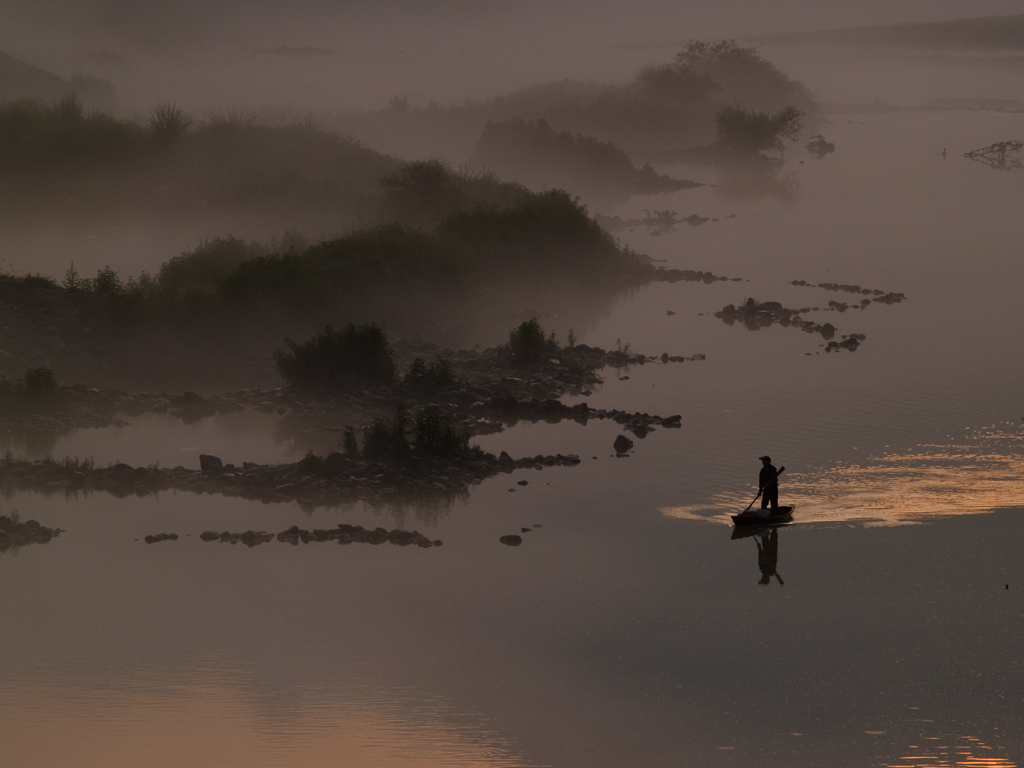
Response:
column 629, row 628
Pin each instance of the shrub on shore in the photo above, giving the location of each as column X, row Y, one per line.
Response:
column 422, row 193
column 333, row 359
column 527, row 344
column 433, row 375
column 432, row 435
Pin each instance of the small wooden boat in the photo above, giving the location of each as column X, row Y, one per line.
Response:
column 753, row 518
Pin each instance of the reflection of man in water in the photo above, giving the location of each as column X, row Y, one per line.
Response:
column 768, row 555
column 768, row 482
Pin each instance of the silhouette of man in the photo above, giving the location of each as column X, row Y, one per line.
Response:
column 768, row 483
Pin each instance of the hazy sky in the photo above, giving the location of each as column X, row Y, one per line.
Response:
column 185, row 22
column 213, row 53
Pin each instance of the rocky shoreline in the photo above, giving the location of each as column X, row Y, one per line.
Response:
column 487, row 395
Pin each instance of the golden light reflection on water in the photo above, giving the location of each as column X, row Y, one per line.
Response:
column 215, row 725
column 965, row 752
column 982, row 472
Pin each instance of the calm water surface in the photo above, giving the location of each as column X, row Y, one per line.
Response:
column 629, row 629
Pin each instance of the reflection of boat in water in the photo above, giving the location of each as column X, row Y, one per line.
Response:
column 753, row 519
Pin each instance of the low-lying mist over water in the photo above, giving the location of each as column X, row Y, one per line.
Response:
column 379, row 384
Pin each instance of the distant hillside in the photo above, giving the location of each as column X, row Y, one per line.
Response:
column 19, row 80
column 990, row 33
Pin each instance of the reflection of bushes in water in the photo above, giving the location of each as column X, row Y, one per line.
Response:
column 760, row 177
column 427, row 507
column 15, row 534
column 335, row 358
column 749, row 131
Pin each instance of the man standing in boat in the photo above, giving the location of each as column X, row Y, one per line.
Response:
column 768, row 483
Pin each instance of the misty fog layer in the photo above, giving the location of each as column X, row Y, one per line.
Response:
column 379, row 383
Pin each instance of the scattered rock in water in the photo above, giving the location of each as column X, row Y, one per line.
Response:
column 157, row 537
column 622, row 444
column 756, row 315
column 819, row 147
column 511, row 540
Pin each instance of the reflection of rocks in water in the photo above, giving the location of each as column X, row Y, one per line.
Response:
column 758, row 177
column 656, row 222
column 882, row 297
column 756, row 315
column 510, row 410
column 342, row 534
column 1003, row 155
column 314, row 481
column 158, row 537
column 15, row 534
column 818, row 147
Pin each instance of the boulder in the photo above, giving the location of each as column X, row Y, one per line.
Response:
column 208, row 463
column 622, row 444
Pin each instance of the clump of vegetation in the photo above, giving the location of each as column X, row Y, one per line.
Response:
column 543, row 235
column 527, row 344
column 62, row 155
column 437, row 436
column 433, row 375
column 742, row 76
column 531, row 151
column 750, row 132
column 333, row 359
column 432, row 434
column 388, row 440
column 422, row 193
column 201, row 268
column 168, row 123
column 661, row 112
